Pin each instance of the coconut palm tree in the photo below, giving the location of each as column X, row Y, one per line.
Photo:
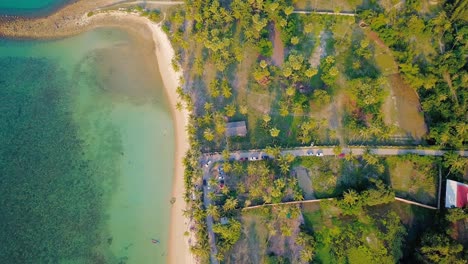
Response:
column 208, row 134
column 230, row 110
column 230, row 204
column 274, row 132
column 306, row 255
column 243, row 109
column 213, row 211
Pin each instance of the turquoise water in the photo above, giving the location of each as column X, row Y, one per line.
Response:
column 29, row 7
column 86, row 151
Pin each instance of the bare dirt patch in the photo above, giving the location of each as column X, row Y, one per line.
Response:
column 320, row 50
column 305, row 183
column 409, row 115
column 278, row 48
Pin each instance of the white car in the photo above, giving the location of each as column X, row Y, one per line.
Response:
column 319, row 154
column 310, row 153
column 253, row 158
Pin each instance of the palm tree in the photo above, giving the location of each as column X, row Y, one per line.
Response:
column 226, row 91
column 350, row 197
column 212, row 211
column 289, row 10
column 179, row 106
column 286, row 231
column 230, row 110
column 243, row 109
column 208, row 134
column 226, row 154
column 284, row 111
column 284, row 168
column 208, row 107
column 266, row 118
column 230, row 204
column 306, row 255
column 311, row 72
column 290, row 91
column 274, row 132
column 301, row 239
column 273, row 151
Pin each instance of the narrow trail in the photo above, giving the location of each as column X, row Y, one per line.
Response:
column 331, row 199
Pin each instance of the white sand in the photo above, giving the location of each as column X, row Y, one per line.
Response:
column 179, row 251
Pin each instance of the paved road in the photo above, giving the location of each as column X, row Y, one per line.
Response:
column 328, row 151
column 324, row 13
column 209, row 219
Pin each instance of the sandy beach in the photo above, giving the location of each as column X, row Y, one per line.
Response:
column 65, row 23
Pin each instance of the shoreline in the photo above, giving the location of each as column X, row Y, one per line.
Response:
column 164, row 53
column 178, row 244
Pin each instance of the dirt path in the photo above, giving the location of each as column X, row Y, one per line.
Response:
column 278, row 47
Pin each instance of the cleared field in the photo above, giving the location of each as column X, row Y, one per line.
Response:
column 330, row 176
column 269, row 236
column 414, row 178
column 330, row 5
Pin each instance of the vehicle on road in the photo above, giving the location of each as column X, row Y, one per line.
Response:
column 208, row 163
column 310, row 153
column 319, row 154
column 342, row 155
column 204, row 182
column 244, row 159
column 253, row 158
column 265, row 157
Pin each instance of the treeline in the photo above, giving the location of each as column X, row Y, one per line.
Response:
column 431, row 51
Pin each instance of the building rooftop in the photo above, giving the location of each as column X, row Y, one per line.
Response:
column 456, row 194
column 238, row 129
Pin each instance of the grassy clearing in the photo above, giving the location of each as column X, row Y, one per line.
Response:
column 414, row 177
column 331, row 5
column 269, row 234
column 332, row 176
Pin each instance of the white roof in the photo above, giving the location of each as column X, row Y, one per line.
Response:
column 451, row 194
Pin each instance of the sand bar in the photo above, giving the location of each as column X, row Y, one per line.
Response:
column 73, row 20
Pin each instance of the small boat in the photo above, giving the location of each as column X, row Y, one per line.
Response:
column 154, row 241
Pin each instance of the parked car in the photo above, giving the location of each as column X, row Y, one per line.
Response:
column 243, row 159
column 265, row 157
column 221, row 178
column 253, row 158
column 310, row 153
column 319, row 154
column 208, row 163
column 342, row 155
column 204, row 182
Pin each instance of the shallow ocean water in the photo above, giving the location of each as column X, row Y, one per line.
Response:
column 29, row 7
column 86, row 151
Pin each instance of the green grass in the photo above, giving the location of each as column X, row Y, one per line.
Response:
column 414, row 177
column 385, row 62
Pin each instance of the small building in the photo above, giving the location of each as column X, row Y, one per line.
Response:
column 456, row 194
column 236, row 129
